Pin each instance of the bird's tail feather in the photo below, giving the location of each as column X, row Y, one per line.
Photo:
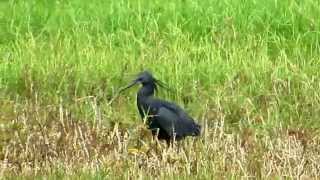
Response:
column 197, row 130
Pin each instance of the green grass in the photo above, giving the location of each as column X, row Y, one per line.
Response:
column 244, row 69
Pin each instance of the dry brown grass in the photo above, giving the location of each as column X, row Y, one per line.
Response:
column 44, row 140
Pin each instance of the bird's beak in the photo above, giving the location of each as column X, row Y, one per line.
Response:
column 129, row 86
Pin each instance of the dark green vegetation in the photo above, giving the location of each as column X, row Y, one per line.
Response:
column 248, row 71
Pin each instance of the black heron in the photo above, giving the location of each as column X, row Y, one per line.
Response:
column 165, row 119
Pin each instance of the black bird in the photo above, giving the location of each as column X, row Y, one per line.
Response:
column 166, row 120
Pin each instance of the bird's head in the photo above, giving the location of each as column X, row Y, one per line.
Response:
column 145, row 78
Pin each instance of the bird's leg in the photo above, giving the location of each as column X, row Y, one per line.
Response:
column 168, row 141
column 156, row 138
column 180, row 146
column 173, row 140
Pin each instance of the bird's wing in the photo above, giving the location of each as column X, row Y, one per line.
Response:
column 179, row 111
column 185, row 125
column 165, row 120
column 172, row 123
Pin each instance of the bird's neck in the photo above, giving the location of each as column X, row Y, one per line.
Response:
column 146, row 91
column 143, row 98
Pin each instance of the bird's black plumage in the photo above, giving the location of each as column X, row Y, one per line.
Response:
column 165, row 119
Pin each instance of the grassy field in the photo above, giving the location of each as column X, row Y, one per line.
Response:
column 247, row 71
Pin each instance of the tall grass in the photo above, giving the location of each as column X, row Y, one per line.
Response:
column 240, row 64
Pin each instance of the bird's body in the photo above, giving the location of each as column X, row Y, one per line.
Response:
column 165, row 119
